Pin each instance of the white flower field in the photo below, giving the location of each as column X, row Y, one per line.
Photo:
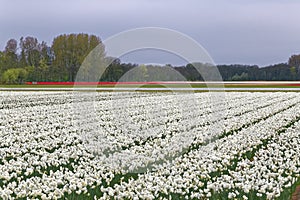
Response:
column 149, row 145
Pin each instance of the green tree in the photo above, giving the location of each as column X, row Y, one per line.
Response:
column 242, row 77
column 143, row 72
column 1, row 62
column 30, row 73
column 30, row 47
column 294, row 61
column 293, row 71
column 114, row 71
column 32, row 52
column 71, row 50
column 22, row 62
column 14, row 76
column 43, row 69
column 10, row 58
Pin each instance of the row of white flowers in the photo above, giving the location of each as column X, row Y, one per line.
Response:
column 197, row 167
column 148, row 145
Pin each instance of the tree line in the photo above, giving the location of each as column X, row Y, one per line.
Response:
column 31, row 60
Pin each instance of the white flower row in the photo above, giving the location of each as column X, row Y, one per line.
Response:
column 179, row 144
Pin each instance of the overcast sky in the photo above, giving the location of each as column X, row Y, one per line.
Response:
column 258, row 32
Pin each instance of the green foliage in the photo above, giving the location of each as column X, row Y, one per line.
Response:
column 14, row 76
column 293, row 73
column 71, row 50
column 62, row 60
column 242, row 77
column 278, row 72
column 294, row 60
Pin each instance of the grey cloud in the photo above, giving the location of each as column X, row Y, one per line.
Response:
column 253, row 32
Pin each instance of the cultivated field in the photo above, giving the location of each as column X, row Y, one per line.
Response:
column 158, row 145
